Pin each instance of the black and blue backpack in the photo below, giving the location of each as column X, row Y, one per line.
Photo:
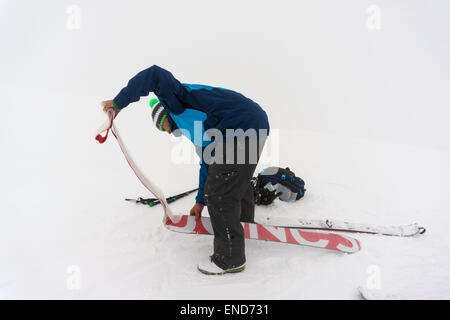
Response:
column 276, row 182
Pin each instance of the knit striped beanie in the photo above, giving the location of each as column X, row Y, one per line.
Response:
column 158, row 113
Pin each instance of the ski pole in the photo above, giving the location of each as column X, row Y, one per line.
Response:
column 153, row 201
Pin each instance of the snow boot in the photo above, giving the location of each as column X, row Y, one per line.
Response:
column 208, row 266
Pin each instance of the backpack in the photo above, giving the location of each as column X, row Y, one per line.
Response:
column 276, row 182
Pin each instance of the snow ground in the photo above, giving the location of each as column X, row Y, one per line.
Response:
column 370, row 151
column 122, row 250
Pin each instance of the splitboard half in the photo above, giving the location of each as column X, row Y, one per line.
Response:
column 310, row 238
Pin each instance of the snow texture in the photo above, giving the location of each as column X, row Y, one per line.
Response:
column 361, row 115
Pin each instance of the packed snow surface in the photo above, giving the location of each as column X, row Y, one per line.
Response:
column 360, row 114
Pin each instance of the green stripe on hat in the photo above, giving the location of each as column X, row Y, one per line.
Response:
column 153, row 102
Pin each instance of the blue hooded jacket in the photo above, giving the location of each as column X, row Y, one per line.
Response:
column 216, row 108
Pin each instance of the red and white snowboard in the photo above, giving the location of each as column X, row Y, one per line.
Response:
column 311, row 238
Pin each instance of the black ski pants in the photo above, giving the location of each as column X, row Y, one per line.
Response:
column 229, row 198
